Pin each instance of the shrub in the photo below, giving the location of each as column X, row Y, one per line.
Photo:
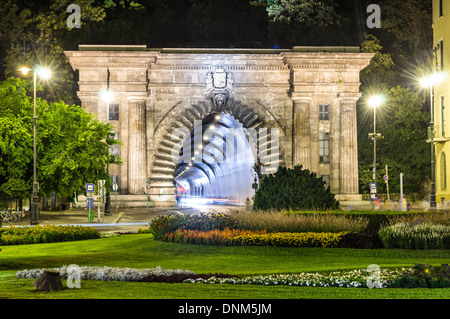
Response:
column 423, row 276
column 204, row 222
column 366, row 239
column 179, row 278
column 419, row 218
column 234, row 237
column 274, row 221
column 45, row 234
column 415, row 236
column 377, row 219
column 329, row 240
column 211, row 237
column 293, row 189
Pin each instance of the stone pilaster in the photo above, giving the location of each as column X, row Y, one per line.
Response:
column 335, row 146
column 137, row 159
column 301, row 138
column 348, row 148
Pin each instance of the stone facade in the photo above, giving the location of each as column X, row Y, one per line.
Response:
column 308, row 93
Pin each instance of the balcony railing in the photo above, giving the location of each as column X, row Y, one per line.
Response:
column 439, row 135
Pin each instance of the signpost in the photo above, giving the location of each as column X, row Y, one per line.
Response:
column 115, row 188
column 101, row 198
column 90, row 189
column 373, row 191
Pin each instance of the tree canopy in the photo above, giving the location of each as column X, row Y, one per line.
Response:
column 72, row 146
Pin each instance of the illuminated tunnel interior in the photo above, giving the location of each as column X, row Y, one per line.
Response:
column 216, row 162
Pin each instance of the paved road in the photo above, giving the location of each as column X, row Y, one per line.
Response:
column 125, row 220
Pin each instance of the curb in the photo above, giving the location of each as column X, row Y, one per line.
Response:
column 119, row 216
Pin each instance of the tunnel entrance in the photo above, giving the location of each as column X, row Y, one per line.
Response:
column 216, row 162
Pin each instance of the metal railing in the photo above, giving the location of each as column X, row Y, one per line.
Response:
column 439, row 133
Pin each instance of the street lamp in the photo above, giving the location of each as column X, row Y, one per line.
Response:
column 429, row 82
column 44, row 74
column 374, row 102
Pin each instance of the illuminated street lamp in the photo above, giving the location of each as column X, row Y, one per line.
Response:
column 429, row 82
column 375, row 102
column 43, row 73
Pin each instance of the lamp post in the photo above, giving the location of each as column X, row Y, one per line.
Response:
column 429, row 82
column 375, row 102
column 44, row 74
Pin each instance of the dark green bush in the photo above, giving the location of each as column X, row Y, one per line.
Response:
column 366, row 239
column 294, row 189
column 203, row 222
column 423, row 276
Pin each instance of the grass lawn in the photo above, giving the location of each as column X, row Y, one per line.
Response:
column 141, row 251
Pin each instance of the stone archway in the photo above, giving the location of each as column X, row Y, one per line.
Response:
column 309, row 93
column 164, row 164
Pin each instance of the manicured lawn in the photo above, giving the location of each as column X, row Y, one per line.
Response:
column 141, row 251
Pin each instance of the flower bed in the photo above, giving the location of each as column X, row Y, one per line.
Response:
column 203, row 222
column 423, row 276
column 354, row 278
column 211, row 237
column 45, row 234
column 106, row 273
column 234, row 237
column 420, row 276
column 289, row 239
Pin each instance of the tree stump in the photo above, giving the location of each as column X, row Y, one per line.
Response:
column 49, row 281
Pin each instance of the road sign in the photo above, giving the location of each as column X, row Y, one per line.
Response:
column 373, row 187
column 90, row 188
column 385, row 177
column 115, row 187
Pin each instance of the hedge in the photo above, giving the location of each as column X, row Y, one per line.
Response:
column 378, row 219
column 45, row 234
column 203, row 222
column 229, row 237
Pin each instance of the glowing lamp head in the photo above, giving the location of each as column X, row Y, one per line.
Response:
column 376, row 101
column 44, row 73
column 24, row 70
column 106, row 96
column 432, row 79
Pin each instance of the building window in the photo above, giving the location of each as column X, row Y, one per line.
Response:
column 441, row 53
column 324, row 112
column 326, row 179
column 441, row 8
column 114, row 149
column 114, row 112
column 442, row 117
column 324, row 147
column 443, row 170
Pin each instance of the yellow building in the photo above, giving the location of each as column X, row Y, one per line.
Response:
column 441, row 47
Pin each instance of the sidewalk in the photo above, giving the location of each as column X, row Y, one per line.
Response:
column 124, row 221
